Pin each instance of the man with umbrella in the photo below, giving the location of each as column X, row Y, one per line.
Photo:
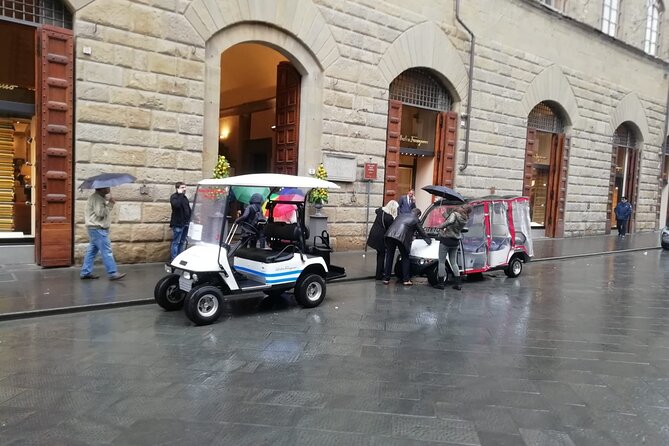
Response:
column 98, row 220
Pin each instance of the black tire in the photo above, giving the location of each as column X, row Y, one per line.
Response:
column 433, row 275
column 514, row 268
column 310, row 291
column 204, row 305
column 665, row 245
column 167, row 293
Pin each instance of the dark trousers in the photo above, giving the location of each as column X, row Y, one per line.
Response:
column 380, row 263
column 622, row 227
column 391, row 245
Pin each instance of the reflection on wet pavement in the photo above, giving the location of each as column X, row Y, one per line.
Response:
column 571, row 353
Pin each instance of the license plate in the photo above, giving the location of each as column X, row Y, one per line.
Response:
column 185, row 284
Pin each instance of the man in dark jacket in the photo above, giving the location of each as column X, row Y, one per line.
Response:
column 400, row 235
column 623, row 213
column 407, row 203
column 179, row 219
column 251, row 216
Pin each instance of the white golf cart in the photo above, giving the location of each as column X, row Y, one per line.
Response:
column 219, row 263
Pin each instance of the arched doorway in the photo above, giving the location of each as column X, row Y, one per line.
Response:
column 422, row 132
column 546, row 165
column 624, row 177
column 259, row 111
column 36, row 123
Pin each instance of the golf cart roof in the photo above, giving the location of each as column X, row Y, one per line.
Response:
column 270, row 180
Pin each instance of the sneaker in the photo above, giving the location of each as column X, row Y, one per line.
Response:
column 408, row 283
column 117, row 276
column 89, row 277
column 386, row 281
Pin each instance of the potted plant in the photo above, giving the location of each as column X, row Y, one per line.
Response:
column 318, row 196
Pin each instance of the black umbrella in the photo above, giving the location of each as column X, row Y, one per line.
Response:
column 107, row 180
column 444, row 192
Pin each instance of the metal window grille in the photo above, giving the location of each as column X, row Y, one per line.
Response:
column 43, row 12
column 417, row 87
column 624, row 137
column 543, row 118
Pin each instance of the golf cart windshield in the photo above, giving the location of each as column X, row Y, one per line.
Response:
column 208, row 216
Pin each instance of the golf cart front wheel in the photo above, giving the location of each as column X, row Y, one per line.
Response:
column 310, row 291
column 167, row 293
column 204, row 305
column 514, row 268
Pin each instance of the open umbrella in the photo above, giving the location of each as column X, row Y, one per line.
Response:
column 244, row 193
column 107, row 180
column 444, row 192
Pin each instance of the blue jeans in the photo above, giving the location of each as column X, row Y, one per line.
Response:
column 99, row 241
column 178, row 240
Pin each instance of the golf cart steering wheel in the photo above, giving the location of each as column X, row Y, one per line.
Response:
column 249, row 228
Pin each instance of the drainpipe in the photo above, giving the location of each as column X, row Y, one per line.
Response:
column 469, row 86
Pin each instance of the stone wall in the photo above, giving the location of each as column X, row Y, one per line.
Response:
column 141, row 102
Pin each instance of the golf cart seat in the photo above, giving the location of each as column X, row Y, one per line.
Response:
column 264, row 255
column 280, row 234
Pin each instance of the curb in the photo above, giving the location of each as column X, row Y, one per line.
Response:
column 137, row 302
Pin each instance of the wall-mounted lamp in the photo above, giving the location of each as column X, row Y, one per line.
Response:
column 225, row 132
column 464, row 120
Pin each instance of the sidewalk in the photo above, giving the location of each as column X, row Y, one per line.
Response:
column 28, row 290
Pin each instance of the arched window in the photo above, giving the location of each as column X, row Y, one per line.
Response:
column 624, row 169
column 543, row 118
column 43, row 12
column 419, row 88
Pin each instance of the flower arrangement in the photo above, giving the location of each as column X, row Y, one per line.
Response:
column 319, row 195
column 222, row 169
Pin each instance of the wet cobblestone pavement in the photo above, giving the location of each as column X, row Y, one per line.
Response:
column 571, row 353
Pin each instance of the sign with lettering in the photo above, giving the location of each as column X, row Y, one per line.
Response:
column 370, row 171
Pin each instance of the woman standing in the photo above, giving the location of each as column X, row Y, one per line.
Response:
column 384, row 218
column 449, row 242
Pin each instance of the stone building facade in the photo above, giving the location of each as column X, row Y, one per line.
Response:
column 147, row 101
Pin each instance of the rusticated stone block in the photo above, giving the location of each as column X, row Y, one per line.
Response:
column 156, row 212
column 147, row 232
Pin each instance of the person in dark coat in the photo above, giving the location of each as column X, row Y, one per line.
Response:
column 179, row 219
column 384, row 218
column 623, row 213
column 252, row 216
column 399, row 236
column 407, row 203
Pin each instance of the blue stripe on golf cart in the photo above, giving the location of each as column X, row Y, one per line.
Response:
column 273, row 277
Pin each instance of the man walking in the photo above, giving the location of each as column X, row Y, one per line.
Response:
column 98, row 220
column 179, row 219
column 623, row 213
column 407, row 203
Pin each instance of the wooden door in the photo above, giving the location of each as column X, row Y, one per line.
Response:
column 392, row 151
column 528, row 169
column 288, row 82
column 612, row 198
column 557, row 186
column 444, row 149
column 54, row 192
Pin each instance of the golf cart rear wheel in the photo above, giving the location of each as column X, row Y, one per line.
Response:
column 310, row 291
column 514, row 268
column 167, row 293
column 204, row 305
